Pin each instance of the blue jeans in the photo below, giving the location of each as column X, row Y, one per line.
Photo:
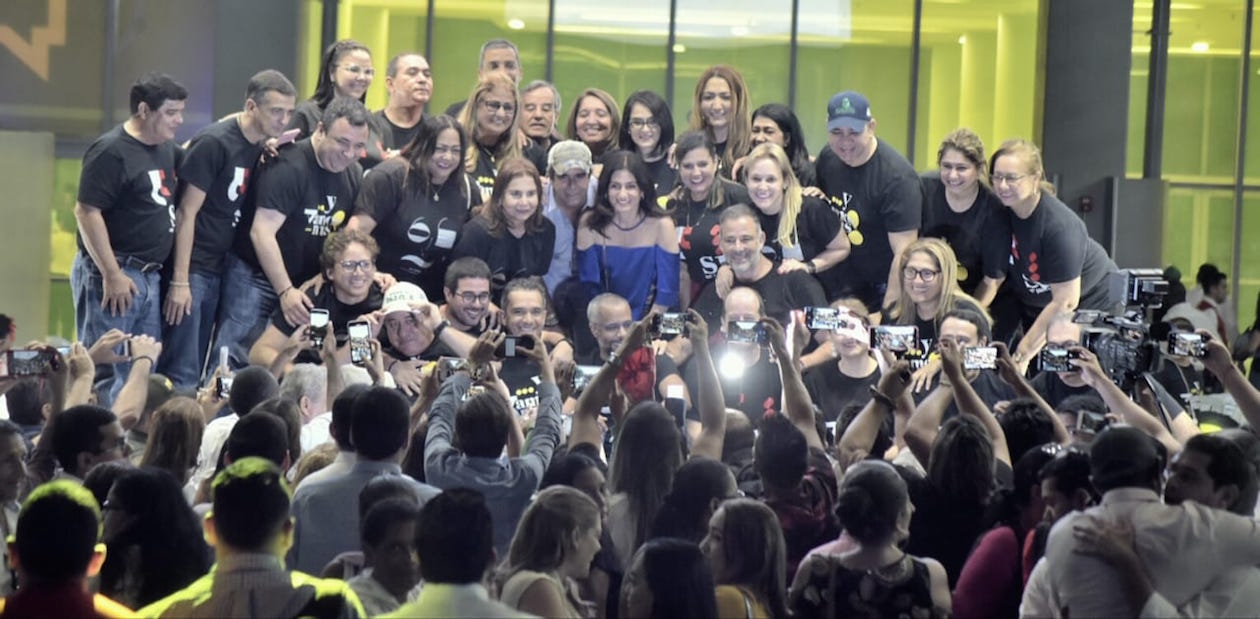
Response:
column 92, row 321
column 186, row 345
column 246, row 301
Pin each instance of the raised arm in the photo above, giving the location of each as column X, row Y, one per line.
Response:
column 796, row 402
column 969, row 402
column 924, row 424
column 1008, row 370
column 599, row 391
column 129, row 404
column 1118, row 401
column 1218, row 361
column 858, row 438
column 710, row 402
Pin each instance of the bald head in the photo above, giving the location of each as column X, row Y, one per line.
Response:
column 610, row 319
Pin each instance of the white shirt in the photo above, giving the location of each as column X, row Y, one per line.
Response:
column 315, row 432
column 447, row 600
column 212, row 441
column 1185, row 548
column 1236, row 593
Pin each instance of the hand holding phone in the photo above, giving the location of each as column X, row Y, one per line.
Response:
column 319, row 327
column 360, row 341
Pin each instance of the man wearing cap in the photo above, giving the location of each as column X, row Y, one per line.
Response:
column 876, row 192
column 572, row 189
column 1183, row 548
column 413, row 332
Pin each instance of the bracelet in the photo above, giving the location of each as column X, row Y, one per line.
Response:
column 390, row 367
column 811, row 267
column 284, row 292
column 441, row 326
column 152, row 363
column 879, row 396
column 180, row 284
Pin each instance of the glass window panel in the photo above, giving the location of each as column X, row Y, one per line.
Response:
column 53, row 87
column 1247, row 296
column 855, row 45
column 1198, row 228
column 460, row 28
column 388, row 28
column 619, row 48
column 978, row 67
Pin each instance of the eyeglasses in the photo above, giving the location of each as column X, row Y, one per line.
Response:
column 494, row 106
column 357, row 70
column 1009, row 179
column 927, row 275
column 469, row 296
column 643, row 123
column 357, row 265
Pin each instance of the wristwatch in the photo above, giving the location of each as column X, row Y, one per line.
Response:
column 811, row 267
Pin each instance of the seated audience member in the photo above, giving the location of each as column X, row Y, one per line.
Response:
column 251, row 386
column 347, row 291
column 153, row 539
column 1183, row 549
column 991, row 583
column 1027, row 426
column 603, row 583
column 326, row 521
column 525, row 310
column 258, row 436
column 511, row 234
column 100, row 480
column 175, row 433
column 388, row 534
column 610, row 320
column 700, row 485
column 840, row 384
column 737, row 449
column 874, row 576
column 668, row 578
column 412, row 333
column 964, row 328
column 749, row 375
column 339, row 429
column 289, row 413
column 250, row 530
column 83, row 436
column 454, row 540
column 56, row 551
column 746, row 551
column 313, row 461
column 467, row 291
column 556, row 540
column 740, row 241
column 467, row 435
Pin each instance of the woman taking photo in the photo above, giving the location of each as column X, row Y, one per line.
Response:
column 720, row 110
column 802, row 233
column 748, row 557
column 555, row 541
column 1055, row 266
column 594, row 122
column 416, row 205
column 695, row 205
column 959, row 207
column 511, row 235
column 345, row 71
column 648, row 129
column 490, row 120
column 875, row 578
column 625, row 244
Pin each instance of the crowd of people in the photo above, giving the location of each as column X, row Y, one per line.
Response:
column 340, row 363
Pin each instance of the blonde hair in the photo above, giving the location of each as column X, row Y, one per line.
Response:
column 903, row 310
column 970, row 146
column 739, row 135
column 507, row 146
column 1029, row 155
column 792, row 198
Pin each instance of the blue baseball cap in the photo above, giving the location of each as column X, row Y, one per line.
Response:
column 848, row 109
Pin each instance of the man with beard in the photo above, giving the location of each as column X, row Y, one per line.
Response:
column 467, row 291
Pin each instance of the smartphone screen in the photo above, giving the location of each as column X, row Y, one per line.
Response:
column 360, row 348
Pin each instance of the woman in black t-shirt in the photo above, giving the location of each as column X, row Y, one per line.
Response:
column 1055, row 266
column 594, row 122
column 346, row 71
column 802, row 233
column 415, row 205
column 648, row 129
column 776, row 123
column 511, row 234
column 490, row 120
column 696, row 204
column 836, row 386
column 720, row 109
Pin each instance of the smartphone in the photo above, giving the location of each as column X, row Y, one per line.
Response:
column 980, row 358
column 1091, row 423
column 1187, row 344
column 288, row 136
column 224, row 360
column 446, row 366
column 1056, row 359
column 896, row 338
column 582, row 376
column 747, row 331
column 223, row 386
column 124, row 349
column 319, row 327
column 23, row 363
column 360, row 336
column 514, row 346
column 670, row 323
column 824, row 318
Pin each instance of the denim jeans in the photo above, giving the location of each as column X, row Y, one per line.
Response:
column 92, row 320
column 186, row 345
column 246, row 301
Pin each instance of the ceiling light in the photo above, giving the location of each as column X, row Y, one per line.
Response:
column 516, row 24
column 679, row 48
column 962, row 40
column 1199, row 46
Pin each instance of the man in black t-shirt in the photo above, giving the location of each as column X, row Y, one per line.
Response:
column 300, row 198
column 610, row 320
column 750, row 379
column 498, row 56
column 409, row 81
column 967, row 328
column 741, row 240
column 525, row 314
column 877, row 195
column 215, row 174
column 467, row 292
column 125, row 212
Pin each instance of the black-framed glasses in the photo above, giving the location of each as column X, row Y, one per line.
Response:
column 927, row 275
column 643, row 123
column 469, row 296
column 357, row 265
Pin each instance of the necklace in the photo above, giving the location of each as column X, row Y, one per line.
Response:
column 622, row 228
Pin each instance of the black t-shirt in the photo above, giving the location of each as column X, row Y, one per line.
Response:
column 874, row 199
column 944, row 528
column 663, row 178
column 977, row 235
column 781, row 293
column 314, row 201
column 522, row 377
column 699, row 231
column 416, row 230
column 991, row 389
column 1183, row 383
column 508, row 256
column 816, row 226
column 307, row 117
column 339, row 315
column 927, row 327
column 488, row 166
column 133, row 184
column 665, row 367
column 1054, row 391
column 757, row 391
column 392, row 136
column 220, row 162
column 832, row 390
column 1052, row 247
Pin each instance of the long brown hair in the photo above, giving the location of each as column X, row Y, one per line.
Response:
column 739, row 135
column 756, row 553
column 614, row 120
column 510, row 170
column 175, row 432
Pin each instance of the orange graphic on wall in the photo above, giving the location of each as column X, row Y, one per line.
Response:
column 35, row 52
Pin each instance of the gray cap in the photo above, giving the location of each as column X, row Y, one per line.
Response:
column 568, row 154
